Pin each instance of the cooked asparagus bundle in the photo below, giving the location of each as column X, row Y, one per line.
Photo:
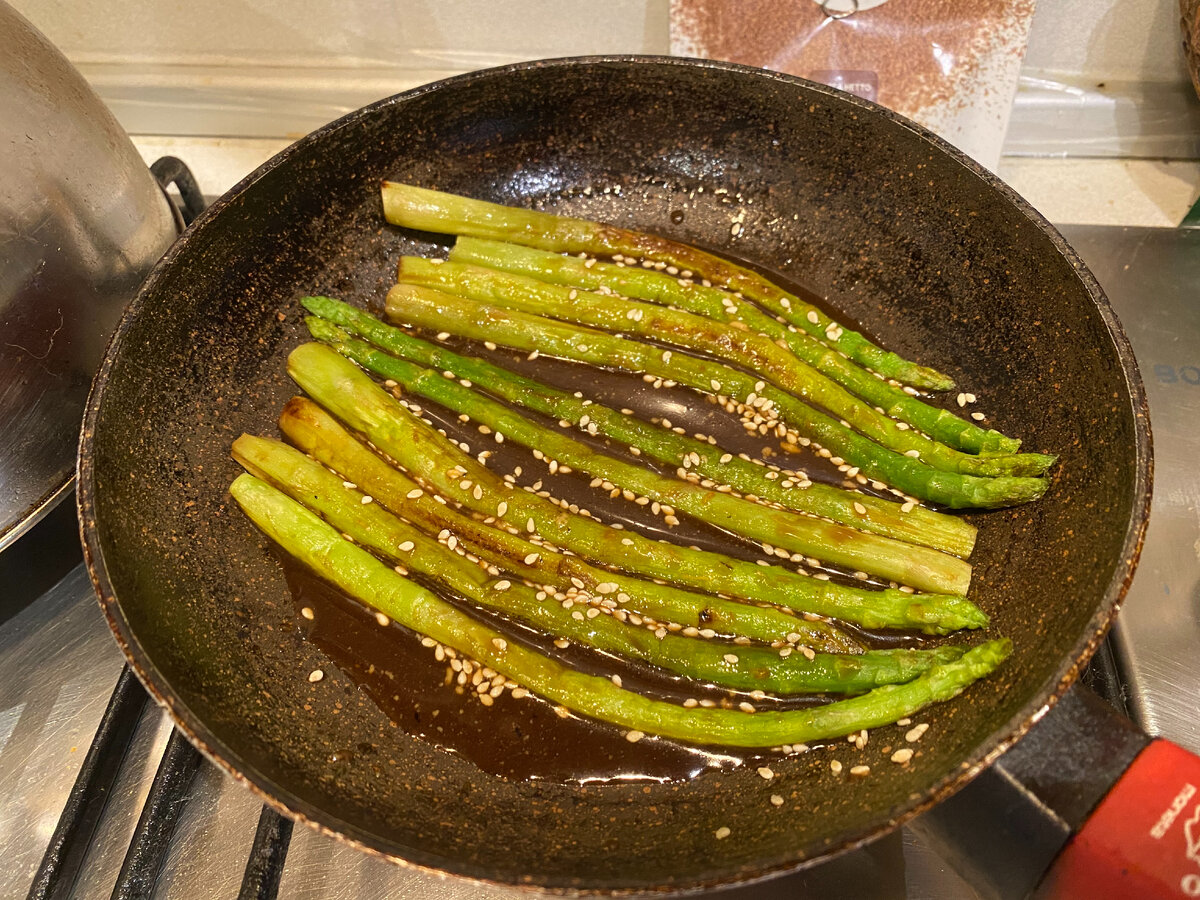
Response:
column 783, row 375
column 918, row 525
column 729, row 665
column 920, row 567
column 427, row 210
column 317, row 433
column 639, row 283
column 322, row 548
column 438, row 311
column 434, row 460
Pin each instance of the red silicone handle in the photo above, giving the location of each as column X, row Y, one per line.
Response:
column 1143, row 840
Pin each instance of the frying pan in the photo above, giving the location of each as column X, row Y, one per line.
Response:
column 904, row 235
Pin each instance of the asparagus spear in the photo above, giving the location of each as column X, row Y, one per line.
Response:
column 754, row 352
column 439, row 311
column 728, row 665
column 919, row 567
column 317, row 433
column 427, row 210
column 314, row 431
column 434, row 460
column 918, row 526
column 658, row 287
column 319, row 546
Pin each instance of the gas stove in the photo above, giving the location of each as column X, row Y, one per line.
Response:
column 103, row 798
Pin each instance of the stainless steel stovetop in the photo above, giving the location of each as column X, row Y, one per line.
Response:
column 58, row 665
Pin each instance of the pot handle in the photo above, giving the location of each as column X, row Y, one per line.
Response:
column 1085, row 805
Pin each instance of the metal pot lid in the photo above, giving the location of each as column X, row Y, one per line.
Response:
column 81, row 223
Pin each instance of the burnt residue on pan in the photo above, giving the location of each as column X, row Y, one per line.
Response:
column 902, row 234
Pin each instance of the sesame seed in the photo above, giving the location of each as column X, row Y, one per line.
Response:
column 860, row 509
column 731, row 658
column 914, row 734
column 776, row 800
column 502, row 585
column 860, row 771
column 977, row 416
column 562, row 643
column 765, row 772
column 414, row 493
column 722, row 833
column 970, row 398
column 962, row 399
column 315, row 675
column 813, row 317
column 382, row 619
column 307, row 613
column 407, row 545
column 666, row 356
column 902, row 756
column 634, row 736
column 616, row 679
column 836, row 767
column 746, row 707
column 907, row 507
column 349, row 484
column 501, row 508
column 443, row 335
column 915, row 454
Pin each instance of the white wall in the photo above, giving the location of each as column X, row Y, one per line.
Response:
column 1101, row 77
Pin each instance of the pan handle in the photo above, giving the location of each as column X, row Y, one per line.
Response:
column 1085, row 805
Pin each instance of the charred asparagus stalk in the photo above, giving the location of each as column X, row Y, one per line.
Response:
column 730, row 665
column 427, row 210
column 317, row 433
column 322, row 548
column 867, row 513
column 439, row 311
column 722, row 306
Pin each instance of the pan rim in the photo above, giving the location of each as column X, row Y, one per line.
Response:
column 985, row 753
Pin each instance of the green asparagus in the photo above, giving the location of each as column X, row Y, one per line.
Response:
column 434, row 460
column 427, row 210
column 317, row 433
column 722, row 306
column 322, row 548
column 687, row 454
column 439, row 311
column 920, row 567
column 783, row 374
column 728, row 665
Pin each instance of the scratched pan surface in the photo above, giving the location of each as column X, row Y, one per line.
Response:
column 932, row 255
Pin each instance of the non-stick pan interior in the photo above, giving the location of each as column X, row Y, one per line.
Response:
column 928, row 254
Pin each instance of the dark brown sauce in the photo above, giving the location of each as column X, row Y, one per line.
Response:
column 524, row 739
column 518, row 739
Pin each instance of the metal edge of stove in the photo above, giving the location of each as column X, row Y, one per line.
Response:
column 47, row 717
column 1152, row 277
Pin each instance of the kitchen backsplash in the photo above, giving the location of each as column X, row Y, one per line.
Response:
column 1100, row 78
